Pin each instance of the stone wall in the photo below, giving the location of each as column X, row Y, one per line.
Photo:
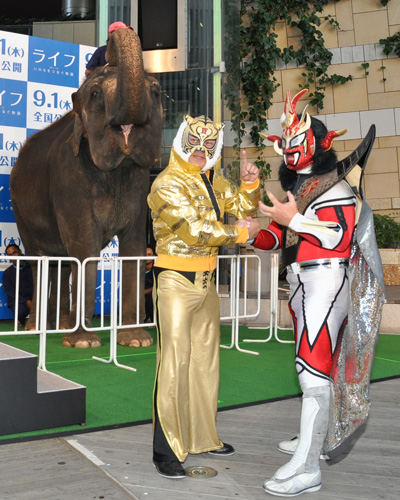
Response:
column 391, row 265
column 369, row 98
column 80, row 32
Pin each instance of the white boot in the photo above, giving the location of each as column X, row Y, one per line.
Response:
column 289, row 447
column 302, row 474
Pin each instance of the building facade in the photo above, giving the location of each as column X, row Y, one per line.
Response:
column 192, row 77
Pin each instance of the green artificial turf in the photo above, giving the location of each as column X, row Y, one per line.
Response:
column 118, row 397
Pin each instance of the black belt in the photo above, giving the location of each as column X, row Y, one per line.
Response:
column 312, row 265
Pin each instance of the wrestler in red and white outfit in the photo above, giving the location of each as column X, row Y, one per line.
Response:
column 319, row 293
column 314, row 228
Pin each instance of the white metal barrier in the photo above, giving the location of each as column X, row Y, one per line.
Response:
column 238, row 266
column 116, row 267
column 238, row 300
column 274, row 305
column 43, row 284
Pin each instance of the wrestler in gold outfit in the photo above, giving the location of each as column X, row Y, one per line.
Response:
column 188, row 201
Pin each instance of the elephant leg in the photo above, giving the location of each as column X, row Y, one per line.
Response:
column 133, row 337
column 67, row 312
column 82, row 338
column 31, row 322
column 60, row 312
column 57, row 301
column 52, row 302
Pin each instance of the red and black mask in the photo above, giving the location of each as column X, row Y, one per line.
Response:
column 298, row 142
column 298, row 150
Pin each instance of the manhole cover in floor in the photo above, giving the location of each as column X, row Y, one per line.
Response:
column 201, row 472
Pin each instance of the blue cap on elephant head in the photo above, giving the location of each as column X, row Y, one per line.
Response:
column 200, row 134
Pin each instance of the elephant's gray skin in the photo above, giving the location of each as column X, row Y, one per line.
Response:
column 85, row 178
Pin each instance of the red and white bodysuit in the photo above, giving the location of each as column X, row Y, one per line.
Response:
column 315, row 237
column 315, row 251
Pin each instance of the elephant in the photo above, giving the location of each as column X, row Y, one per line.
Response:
column 85, row 178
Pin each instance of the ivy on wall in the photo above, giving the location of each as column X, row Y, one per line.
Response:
column 260, row 56
column 391, row 44
column 252, row 57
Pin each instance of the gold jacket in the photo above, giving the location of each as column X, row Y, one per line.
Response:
column 185, row 224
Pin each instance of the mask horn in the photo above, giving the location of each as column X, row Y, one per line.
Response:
column 297, row 98
column 276, row 140
column 327, row 142
column 289, row 117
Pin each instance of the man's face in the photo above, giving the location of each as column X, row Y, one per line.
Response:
column 13, row 251
column 198, row 157
column 149, row 253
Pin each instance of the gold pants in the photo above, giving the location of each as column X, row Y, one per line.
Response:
column 187, row 372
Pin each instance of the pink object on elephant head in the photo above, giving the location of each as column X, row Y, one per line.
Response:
column 117, row 25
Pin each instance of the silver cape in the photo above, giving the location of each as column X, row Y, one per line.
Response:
column 354, row 355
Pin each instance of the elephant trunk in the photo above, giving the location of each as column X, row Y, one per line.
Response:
column 128, row 105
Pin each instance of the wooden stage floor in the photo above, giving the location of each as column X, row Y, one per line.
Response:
column 116, row 464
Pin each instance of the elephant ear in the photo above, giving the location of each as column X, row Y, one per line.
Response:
column 75, row 138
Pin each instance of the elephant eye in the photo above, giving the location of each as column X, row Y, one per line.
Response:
column 95, row 91
column 155, row 89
